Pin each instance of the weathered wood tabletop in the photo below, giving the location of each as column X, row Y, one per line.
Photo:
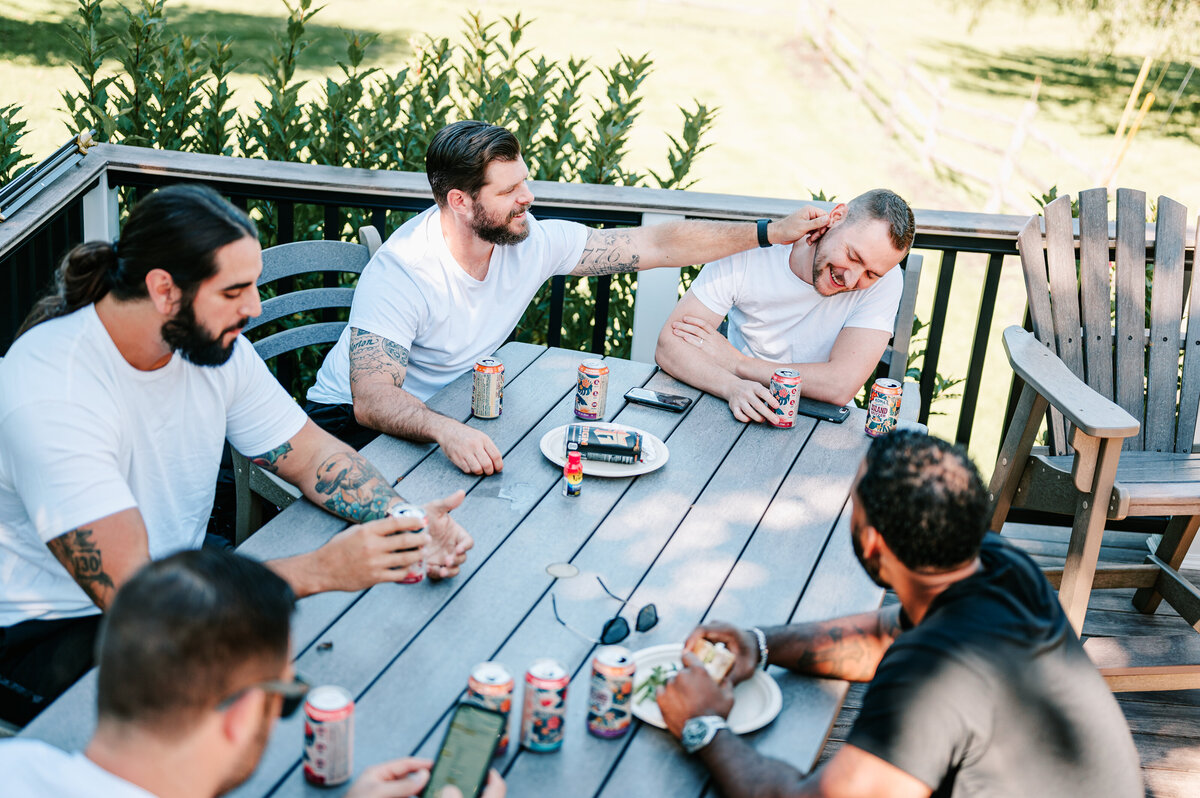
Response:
column 745, row 523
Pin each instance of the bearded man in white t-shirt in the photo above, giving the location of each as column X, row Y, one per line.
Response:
column 115, row 402
column 449, row 286
column 825, row 307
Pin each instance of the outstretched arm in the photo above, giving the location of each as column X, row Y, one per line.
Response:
column 378, row 367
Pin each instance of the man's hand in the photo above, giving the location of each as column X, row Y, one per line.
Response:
column 450, row 542
column 691, row 693
column 741, row 642
column 399, row 778
column 495, row 788
column 366, row 554
column 751, row 401
column 808, row 223
column 469, row 449
column 702, row 335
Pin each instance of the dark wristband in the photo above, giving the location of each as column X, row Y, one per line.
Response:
column 763, row 241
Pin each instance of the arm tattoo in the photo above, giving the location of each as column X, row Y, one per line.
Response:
column 269, row 460
column 78, row 553
column 355, row 488
column 372, row 355
column 607, row 252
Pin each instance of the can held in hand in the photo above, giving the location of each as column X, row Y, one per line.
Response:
column 609, row 699
column 328, row 736
column 416, row 572
column 488, row 391
column 490, row 685
column 545, row 706
column 785, row 387
column 883, row 410
column 592, row 391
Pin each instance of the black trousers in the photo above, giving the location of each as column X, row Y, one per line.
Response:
column 339, row 421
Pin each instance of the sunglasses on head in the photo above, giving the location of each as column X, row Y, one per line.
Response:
column 616, row 628
column 293, row 693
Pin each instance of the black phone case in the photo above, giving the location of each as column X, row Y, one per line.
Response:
column 638, row 400
column 822, row 410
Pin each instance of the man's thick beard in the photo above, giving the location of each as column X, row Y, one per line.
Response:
column 486, row 228
column 186, row 336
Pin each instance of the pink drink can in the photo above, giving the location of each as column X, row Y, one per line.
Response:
column 591, row 393
column 416, row 572
column 491, row 686
column 609, row 699
column 883, row 409
column 785, row 387
column 545, row 706
column 328, row 736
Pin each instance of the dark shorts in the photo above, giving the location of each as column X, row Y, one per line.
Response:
column 338, row 421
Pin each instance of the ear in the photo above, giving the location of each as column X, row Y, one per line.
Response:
column 163, row 292
column 458, row 201
column 872, row 542
column 241, row 720
column 838, row 214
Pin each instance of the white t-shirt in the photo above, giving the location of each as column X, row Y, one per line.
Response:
column 34, row 769
column 415, row 294
column 776, row 316
column 83, row 434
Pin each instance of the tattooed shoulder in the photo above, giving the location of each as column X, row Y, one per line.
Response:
column 373, row 355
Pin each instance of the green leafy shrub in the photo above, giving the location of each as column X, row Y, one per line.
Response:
column 12, row 130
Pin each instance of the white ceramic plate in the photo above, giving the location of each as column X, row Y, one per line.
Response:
column 756, row 701
column 654, row 453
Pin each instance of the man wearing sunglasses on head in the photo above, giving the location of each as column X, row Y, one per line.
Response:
column 194, row 669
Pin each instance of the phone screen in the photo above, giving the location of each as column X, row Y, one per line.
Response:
column 466, row 751
column 655, row 397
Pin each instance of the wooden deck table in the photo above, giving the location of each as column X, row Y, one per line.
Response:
column 745, row 523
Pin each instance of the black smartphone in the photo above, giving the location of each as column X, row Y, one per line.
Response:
column 466, row 752
column 822, row 410
column 667, row 401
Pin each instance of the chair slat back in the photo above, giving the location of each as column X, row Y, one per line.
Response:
column 1064, row 284
column 902, row 337
column 297, row 337
column 1037, row 289
column 1189, row 391
column 1095, row 290
column 305, row 257
column 1166, row 314
column 1129, row 384
column 277, row 307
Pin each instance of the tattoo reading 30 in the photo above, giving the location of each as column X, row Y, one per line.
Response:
column 78, row 552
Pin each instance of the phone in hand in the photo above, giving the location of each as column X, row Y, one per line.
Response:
column 667, row 401
column 466, row 751
column 822, row 410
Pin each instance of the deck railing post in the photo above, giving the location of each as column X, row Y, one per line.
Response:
column 655, row 298
column 101, row 215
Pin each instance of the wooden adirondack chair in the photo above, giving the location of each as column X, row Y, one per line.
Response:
column 1118, row 398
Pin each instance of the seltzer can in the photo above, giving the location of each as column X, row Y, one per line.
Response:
column 785, row 388
column 328, row 736
column 609, row 699
column 416, row 572
column 545, row 706
column 488, row 391
column 883, row 410
column 592, row 392
column 490, row 685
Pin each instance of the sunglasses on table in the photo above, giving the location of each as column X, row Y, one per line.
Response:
column 616, row 628
column 293, row 693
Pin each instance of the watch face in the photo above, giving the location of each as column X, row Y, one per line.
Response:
column 696, row 732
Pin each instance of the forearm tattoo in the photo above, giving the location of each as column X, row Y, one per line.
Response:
column 270, row 459
column 372, row 355
column 354, row 488
column 850, row 648
column 607, row 252
column 79, row 555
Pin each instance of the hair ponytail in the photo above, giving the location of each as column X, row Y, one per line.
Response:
column 83, row 277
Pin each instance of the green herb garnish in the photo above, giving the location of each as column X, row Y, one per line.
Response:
column 657, row 678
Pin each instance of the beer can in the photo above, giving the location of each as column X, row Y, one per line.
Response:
column 883, row 409
column 490, row 685
column 609, row 699
column 785, row 387
column 488, row 390
column 416, row 572
column 328, row 736
column 545, row 706
column 592, row 391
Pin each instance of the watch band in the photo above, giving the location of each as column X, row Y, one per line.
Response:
column 763, row 241
column 762, row 646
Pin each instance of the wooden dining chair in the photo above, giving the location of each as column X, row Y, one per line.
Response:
column 1122, row 386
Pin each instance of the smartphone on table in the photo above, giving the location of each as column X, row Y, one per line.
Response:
column 667, row 401
column 466, row 751
column 822, row 410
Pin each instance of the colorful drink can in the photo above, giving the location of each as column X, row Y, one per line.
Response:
column 785, row 387
column 545, row 706
column 488, row 391
column 415, row 572
column 328, row 736
column 491, row 686
column 609, row 709
column 592, row 392
column 883, row 409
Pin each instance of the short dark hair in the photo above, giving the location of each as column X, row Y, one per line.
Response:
column 926, row 498
column 887, row 206
column 187, row 631
column 459, row 155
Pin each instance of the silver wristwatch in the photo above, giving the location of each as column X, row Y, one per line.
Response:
column 699, row 732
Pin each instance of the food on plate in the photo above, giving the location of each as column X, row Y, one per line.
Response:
column 717, row 659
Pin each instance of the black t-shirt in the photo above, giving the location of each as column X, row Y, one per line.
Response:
column 992, row 695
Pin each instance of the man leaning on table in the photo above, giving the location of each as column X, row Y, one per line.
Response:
column 978, row 684
column 825, row 307
column 194, row 670
column 449, row 286
column 115, row 401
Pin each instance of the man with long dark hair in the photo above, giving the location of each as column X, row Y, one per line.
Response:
column 115, row 402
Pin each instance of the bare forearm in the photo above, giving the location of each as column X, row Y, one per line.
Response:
column 397, row 412
column 824, row 382
column 304, row 573
column 844, row 648
column 742, row 772
column 683, row 362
